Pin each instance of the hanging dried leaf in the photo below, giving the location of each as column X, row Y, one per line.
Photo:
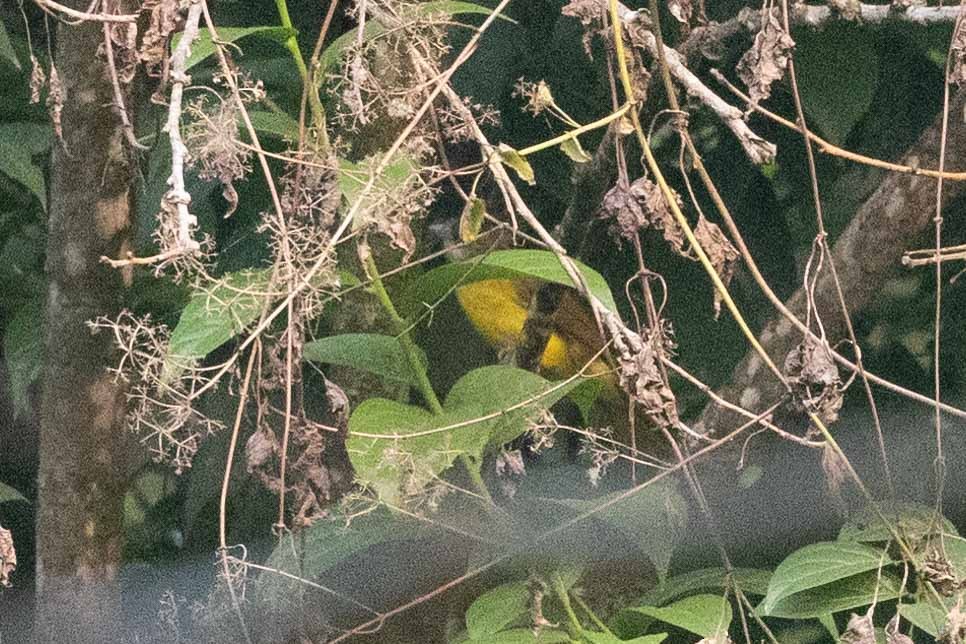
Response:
column 642, row 205
column 941, row 574
column 767, row 59
column 260, row 447
column 954, row 630
column 723, row 255
column 8, row 557
column 586, row 11
column 38, row 79
column 681, row 10
column 165, row 19
column 957, row 50
column 846, row 9
column 814, row 379
column 860, row 630
column 639, row 374
column 893, row 636
column 55, row 103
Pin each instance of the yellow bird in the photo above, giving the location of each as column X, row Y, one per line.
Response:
column 499, row 308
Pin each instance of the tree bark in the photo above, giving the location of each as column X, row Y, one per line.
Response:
column 868, row 253
column 83, row 448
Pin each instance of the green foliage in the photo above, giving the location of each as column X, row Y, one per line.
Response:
column 213, row 317
column 23, row 350
column 751, row 581
column 513, row 159
column 19, row 143
column 831, row 64
column 504, row 264
column 704, row 615
column 398, row 449
column 203, row 46
column 7, row 52
column 8, row 494
column 829, row 577
column 496, row 609
column 655, row 518
column 378, row 354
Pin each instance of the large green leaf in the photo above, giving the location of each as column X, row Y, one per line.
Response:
column 819, row 564
column 925, row 616
column 8, row 493
column 19, row 142
column 23, row 350
column 838, row 72
column 914, row 521
column 519, row 636
column 204, row 46
column 6, row 48
column 277, row 124
column 595, row 637
column 214, row 316
column 751, row 581
column 374, row 28
column 844, row 594
column 504, row 264
column 705, row 615
column 496, row 609
column 381, row 355
column 655, row 518
column 327, row 543
column 486, row 407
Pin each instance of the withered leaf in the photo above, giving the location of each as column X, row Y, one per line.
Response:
column 859, row 630
column 846, row 9
column 767, row 59
column 38, row 79
column 8, row 557
column 719, row 249
column 814, row 379
column 957, row 50
column 681, row 10
column 639, row 374
column 642, row 205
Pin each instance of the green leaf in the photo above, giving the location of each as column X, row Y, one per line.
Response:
column 819, row 564
column 18, row 144
column 353, row 178
column 381, row 355
column 751, row 581
column 497, row 608
column 705, row 615
column 277, row 124
column 471, row 220
column 655, row 517
column 572, row 148
column 6, row 48
column 327, row 543
column 486, row 407
column 23, row 350
column 595, row 637
column 955, row 550
column 374, row 28
column 503, row 264
column 914, row 521
column 845, row 594
column 525, row 636
column 214, row 316
column 510, row 157
column 925, row 615
column 831, row 64
column 8, row 493
column 203, row 46
column 828, row 621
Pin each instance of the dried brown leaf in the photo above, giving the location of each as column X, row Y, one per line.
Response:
column 846, row 9
column 639, row 374
column 767, row 59
column 814, row 379
column 957, row 52
column 860, row 630
column 719, row 249
column 163, row 21
column 941, row 574
column 681, row 10
column 55, row 103
column 954, row 630
column 38, row 79
column 642, row 205
column 8, row 557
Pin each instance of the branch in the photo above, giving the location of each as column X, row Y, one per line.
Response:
column 868, row 253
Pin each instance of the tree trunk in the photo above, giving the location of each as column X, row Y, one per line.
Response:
column 83, row 462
